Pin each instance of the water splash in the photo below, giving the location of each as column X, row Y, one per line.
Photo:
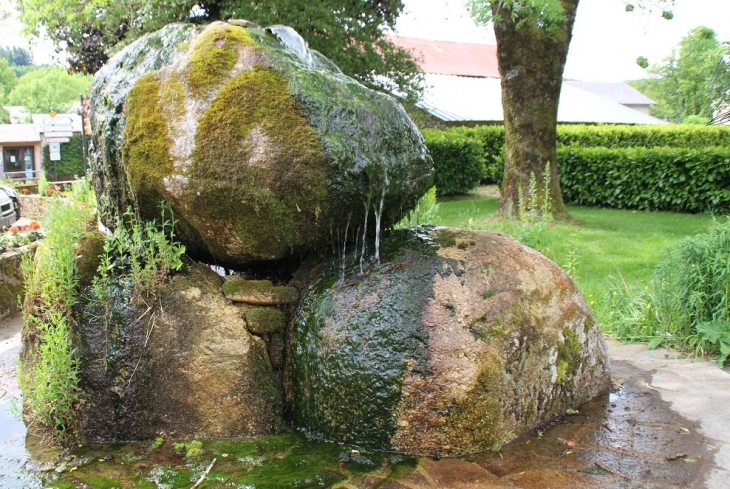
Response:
column 294, row 41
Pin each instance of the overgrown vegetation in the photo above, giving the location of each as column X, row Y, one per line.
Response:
column 142, row 253
column 49, row 379
column 687, row 303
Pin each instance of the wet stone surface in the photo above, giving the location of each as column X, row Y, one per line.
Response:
column 627, row 439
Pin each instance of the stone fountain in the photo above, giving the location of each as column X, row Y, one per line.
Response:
column 428, row 341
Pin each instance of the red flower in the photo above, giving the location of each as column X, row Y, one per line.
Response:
column 25, row 191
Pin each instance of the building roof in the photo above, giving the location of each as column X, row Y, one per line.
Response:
column 75, row 121
column 620, row 92
column 451, row 58
column 469, row 99
column 19, row 133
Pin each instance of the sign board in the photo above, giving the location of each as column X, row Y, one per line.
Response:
column 54, row 150
column 59, row 119
column 57, row 127
column 58, row 140
column 60, row 134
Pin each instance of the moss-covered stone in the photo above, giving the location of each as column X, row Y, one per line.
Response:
column 146, row 142
column 88, row 256
column 427, row 354
column 261, row 320
column 214, row 54
column 258, row 292
column 260, row 154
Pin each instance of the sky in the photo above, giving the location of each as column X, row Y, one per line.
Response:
column 606, row 39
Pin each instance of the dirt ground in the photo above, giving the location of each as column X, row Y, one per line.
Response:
column 663, row 426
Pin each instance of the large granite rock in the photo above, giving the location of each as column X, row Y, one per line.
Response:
column 458, row 341
column 185, row 368
column 262, row 148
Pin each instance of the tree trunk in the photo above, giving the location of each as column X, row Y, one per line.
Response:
column 531, row 62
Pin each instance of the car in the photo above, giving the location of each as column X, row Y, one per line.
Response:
column 9, row 212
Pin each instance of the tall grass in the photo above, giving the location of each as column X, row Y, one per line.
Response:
column 687, row 302
column 50, row 386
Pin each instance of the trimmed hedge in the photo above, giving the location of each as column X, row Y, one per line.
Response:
column 675, row 136
column 458, row 161
column 71, row 162
column 680, row 168
column 656, row 179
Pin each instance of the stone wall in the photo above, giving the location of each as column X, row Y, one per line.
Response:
column 11, row 279
column 32, row 206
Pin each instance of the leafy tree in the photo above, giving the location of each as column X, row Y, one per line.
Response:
column 7, row 77
column 49, row 88
column 16, row 55
column 532, row 45
column 350, row 32
column 692, row 81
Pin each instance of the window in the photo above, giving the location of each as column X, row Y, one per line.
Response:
column 18, row 163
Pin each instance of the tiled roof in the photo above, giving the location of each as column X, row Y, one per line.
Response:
column 19, row 133
column 452, row 58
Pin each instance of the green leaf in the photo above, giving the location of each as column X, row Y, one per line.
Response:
column 655, row 342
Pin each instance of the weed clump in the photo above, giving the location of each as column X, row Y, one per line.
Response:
column 687, row 303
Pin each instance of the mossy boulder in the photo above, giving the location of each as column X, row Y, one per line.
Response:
column 187, row 367
column 458, row 341
column 262, row 151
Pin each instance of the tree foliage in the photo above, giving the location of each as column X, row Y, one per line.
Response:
column 16, row 55
column 49, row 88
column 693, row 81
column 7, row 77
column 350, row 32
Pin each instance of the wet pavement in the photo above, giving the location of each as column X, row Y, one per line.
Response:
column 663, row 426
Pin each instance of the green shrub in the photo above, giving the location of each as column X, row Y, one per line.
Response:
column 71, row 162
column 687, row 304
column 491, row 139
column 458, row 161
column 665, row 179
column 650, row 136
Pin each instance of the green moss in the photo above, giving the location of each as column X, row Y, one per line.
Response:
column 262, row 320
column 214, row 54
column 234, row 286
column 487, row 294
column 445, row 237
column 88, row 252
column 101, row 481
column 146, row 142
column 258, row 164
column 463, row 245
column 569, row 355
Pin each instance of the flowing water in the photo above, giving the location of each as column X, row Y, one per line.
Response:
column 628, row 439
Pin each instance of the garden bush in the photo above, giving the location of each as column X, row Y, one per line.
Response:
column 458, row 161
column 656, row 179
column 682, row 168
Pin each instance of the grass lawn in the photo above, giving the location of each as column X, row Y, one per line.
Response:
column 604, row 246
